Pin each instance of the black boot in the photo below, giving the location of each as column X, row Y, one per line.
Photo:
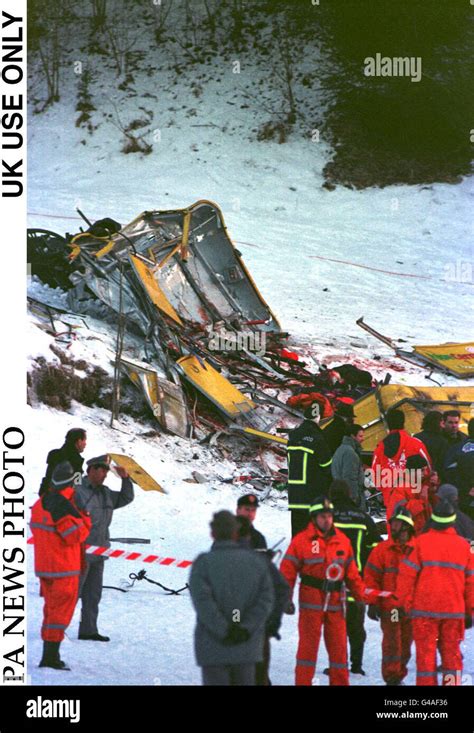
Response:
column 93, row 637
column 51, row 656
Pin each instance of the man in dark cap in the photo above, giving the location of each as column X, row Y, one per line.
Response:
column 100, row 502
column 359, row 527
column 247, row 506
column 59, row 529
column 74, row 444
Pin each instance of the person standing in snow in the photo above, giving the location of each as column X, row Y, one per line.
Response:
column 59, row 530
column 282, row 592
column 347, row 465
column 381, row 572
column 247, row 506
column 436, row 587
column 100, row 502
column 74, row 444
column 390, row 455
column 232, row 593
column 363, row 535
column 309, row 467
column 322, row 556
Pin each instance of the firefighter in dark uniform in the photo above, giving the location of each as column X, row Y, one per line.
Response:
column 309, row 467
column 360, row 528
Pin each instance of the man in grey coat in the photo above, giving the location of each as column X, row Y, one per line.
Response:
column 100, row 502
column 232, row 593
column 347, row 465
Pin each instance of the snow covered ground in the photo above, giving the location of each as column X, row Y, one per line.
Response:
column 416, row 239
column 152, row 633
column 273, row 203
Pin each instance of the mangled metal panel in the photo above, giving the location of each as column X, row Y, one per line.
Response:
column 456, row 359
column 165, row 399
column 178, row 277
column 215, row 387
column 197, row 267
column 152, row 289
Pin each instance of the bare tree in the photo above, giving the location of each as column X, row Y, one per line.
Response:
column 160, row 15
column 238, row 13
column 191, row 23
column 212, row 11
column 285, row 65
column 133, row 142
column 120, row 45
column 50, row 55
column 56, row 16
column 99, row 14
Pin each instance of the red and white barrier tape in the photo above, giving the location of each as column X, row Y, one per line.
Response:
column 127, row 555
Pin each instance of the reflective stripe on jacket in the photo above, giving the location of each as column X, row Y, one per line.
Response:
column 57, row 542
column 309, row 462
column 414, row 499
column 383, row 565
column 310, row 554
column 437, row 580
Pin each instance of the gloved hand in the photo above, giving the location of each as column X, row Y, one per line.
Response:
column 373, row 613
column 468, row 621
column 371, row 596
column 290, row 609
column 236, row 634
column 272, row 631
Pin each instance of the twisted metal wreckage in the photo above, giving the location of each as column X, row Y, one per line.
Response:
column 214, row 352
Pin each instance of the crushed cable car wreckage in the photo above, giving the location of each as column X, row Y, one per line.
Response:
column 214, row 359
column 207, row 331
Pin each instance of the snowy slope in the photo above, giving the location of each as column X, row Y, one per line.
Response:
column 152, row 633
column 273, row 203
column 283, row 221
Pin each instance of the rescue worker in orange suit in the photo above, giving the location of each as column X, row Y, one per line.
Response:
column 322, row 556
column 381, row 572
column 390, row 455
column 416, row 489
column 309, row 467
column 59, row 529
column 436, row 587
